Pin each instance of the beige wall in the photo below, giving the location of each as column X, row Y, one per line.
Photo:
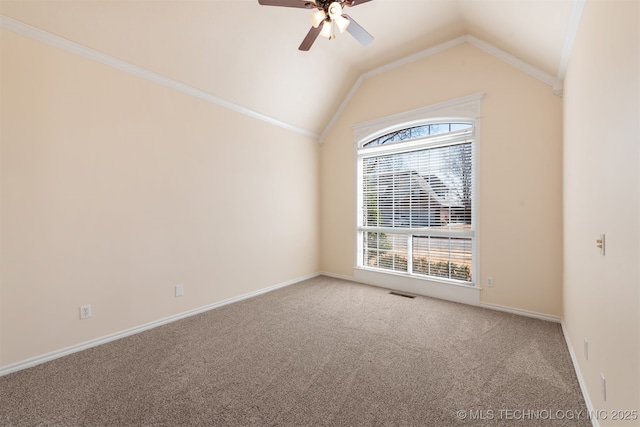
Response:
column 115, row 189
column 520, row 170
column 601, row 195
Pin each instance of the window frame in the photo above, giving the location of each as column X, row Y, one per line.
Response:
column 461, row 110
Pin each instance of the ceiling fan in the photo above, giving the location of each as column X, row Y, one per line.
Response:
column 327, row 19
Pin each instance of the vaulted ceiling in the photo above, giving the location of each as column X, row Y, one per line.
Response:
column 247, row 55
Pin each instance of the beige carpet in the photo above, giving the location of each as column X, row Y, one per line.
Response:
column 321, row 352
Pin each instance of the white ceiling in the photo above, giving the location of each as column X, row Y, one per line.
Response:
column 245, row 53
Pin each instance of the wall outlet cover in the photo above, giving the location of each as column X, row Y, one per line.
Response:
column 85, row 311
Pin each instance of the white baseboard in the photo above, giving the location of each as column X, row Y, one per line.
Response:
column 526, row 313
column 18, row 366
column 520, row 312
column 103, row 340
column 337, row 276
column 574, row 360
column 576, row 368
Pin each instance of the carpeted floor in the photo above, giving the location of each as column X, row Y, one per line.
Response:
column 320, row 352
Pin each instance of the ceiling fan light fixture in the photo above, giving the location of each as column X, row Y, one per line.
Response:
column 328, row 30
column 317, row 17
column 341, row 22
column 335, row 10
column 326, row 19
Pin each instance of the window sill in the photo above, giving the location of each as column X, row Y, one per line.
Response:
column 442, row 289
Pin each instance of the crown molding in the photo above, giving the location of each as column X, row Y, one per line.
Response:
column 572, row 31
column 504, row 56
column 512, row 60
column 416, row 56
column 554, row 82
column 392, row 65
column 73, row 47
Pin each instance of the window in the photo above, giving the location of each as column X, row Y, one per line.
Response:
column 416, row 201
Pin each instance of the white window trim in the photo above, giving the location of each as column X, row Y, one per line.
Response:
column 465, row 109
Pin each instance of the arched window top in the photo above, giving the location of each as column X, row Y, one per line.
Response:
column 464, row 110
column 416, row 132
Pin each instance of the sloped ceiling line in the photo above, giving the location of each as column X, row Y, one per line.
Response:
column 65, row 44
column 428, row 52
column 512, row 60
column 62, row 43
column 576, row 15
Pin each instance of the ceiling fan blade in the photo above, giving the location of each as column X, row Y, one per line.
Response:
column 304, row 4
column 358, row 32
column 311, row 37
column 351, row 3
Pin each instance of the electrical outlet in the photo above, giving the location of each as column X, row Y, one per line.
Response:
column 600, row 244
column 490, row 282
column 179, row 290
column 603, row 387
column 586, row 349
column 85, row 311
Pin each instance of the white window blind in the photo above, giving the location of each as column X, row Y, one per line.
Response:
column 416, row 190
